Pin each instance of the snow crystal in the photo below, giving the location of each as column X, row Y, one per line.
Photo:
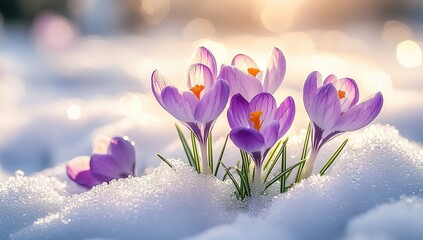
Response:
column 398, row 220
column 378, row 165
column 24, row 199
column 165, row 204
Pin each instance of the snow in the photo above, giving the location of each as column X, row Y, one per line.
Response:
column 181, row 202
column 397, row 220
column 379, row 165
column 376, row 180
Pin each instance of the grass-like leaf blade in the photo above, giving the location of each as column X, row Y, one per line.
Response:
column 195, row 153
column 271, row 154
column 186, row 147
column 303, row 153
column 332, row 159
column 221, row 156
column 276, row 159
column 284, row 177
column 277, row 177
column 165, row 160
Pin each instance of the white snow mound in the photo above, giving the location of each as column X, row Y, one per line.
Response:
column 378, row 165
column 166, row 204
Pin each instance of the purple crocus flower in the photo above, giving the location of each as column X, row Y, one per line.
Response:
column 333, row 110
column 199, row 107
column 245, row 77
column 118, row 162
column 257, row 125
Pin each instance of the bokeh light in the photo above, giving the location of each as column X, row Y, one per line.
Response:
column 74, row 112
column 409, row 54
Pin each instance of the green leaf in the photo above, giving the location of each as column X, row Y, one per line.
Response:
column 276, row 159
column 304, row 153
column 186, row 147
column 277, row 177
column 238, row 188
column 271, row 154
column 165, row 160
column 195, row 151
column 210, row 151
column 332, row 159
column 283, row 168
column 221, row 156
column 244, row 182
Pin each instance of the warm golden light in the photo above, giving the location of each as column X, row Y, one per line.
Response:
column 74, row 112
column 409, row 54
column 129, row 104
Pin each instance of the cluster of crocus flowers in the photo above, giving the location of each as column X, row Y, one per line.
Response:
column 257, row 125
column 333, row 110
column 199, row 106
column 117, row 162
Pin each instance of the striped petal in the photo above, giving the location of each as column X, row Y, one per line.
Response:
column 212, row 103
column 238, row 112
column 347, row 91
column 240, row 82
column 325, row 108
column 205, row 57
column 180, row 106
column 360, row 115
column 275, row 71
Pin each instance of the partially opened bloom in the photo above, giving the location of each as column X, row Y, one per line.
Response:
column 333, row 110
column 118, row 162
column 199, row 106
column 257, row 125
column 245, row 76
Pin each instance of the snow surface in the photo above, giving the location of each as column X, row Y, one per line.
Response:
column 378, row 178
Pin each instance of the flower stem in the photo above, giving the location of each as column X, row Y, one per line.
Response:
column 308, row 166
column 257, row 178
column 204, row 158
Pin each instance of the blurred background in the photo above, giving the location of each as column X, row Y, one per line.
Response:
column 71, row 71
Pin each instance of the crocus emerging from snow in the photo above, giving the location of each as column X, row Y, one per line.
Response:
column 257, row 125
column 199, row 106
column 118, row 162
column 246, row 78
column 333, row 110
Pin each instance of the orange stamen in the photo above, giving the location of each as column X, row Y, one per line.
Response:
column 341, row 94
column 253, row 71
column 197, row 90
column 255, row 119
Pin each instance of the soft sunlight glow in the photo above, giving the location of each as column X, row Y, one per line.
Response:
column 154, row 11
column 279, row 15
column 198, row 28
column 74, row 112
column 409, row 54
column 129, row 104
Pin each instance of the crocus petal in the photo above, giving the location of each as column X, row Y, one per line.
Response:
column 247, row 139
column 270, row 133
column 240, row 82
column 179, row 106
column 310, row 88
column 349, row 87
column 285, row 114
column 205, row 57
column 199, row 74
column 275, row 71
column 212, row 103
column 243, row 62
column 360, row 115
column 265, row 103
column 105, row 168
column 238, row 112
column 123, row 152
column 325, row 108
column 158, row 83
column 78, row 169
